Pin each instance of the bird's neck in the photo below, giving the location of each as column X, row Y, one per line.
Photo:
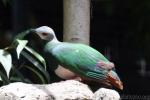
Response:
column 52, row 44
column 54, row 41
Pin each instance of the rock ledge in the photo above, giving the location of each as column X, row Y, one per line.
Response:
column 65, row 90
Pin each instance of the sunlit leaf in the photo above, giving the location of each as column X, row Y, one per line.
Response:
column 21, row 46
column 38, row 56
column 6, row 61
column 37, row 65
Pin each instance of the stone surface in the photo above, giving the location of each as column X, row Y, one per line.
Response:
column 106, row 94
column 65, row 90
column 57, row 91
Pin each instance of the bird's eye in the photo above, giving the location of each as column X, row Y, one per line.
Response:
column 44, row 34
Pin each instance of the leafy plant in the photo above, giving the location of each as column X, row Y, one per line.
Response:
column 6, row 61
column 11, row 72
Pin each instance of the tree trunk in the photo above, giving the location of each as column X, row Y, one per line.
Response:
column 76, row 21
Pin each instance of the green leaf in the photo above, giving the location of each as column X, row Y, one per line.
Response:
column 20, row 76
column 21, row 46
column 38, row 56
column 23, row 34
column 6, row 61
column 36, row 64
column 37, row 73
column 19, row 79
column 4, row 78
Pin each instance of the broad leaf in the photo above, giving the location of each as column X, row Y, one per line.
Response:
column 16, row 74
column 23, row 34
column 36, row 63
column 37, row 73
column 38, row 56
column 4, row 78
column 6, row 61
column 21, row 45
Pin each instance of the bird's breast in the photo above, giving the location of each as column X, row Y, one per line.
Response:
column 64, row 73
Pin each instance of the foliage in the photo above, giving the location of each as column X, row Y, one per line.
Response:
column 11, row 72
column 6, row 61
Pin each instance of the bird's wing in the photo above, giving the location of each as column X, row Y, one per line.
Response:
column 81, row 59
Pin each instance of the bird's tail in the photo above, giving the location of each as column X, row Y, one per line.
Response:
column 114, row 79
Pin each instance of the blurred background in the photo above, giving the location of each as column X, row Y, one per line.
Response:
column 119, row 29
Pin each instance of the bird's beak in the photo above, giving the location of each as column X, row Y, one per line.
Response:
column 32, row 31
column 35, row 33
column 115, row 80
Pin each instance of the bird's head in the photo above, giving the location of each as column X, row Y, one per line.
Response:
column 45, row 33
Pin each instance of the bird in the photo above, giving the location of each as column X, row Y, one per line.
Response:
column 76, row 60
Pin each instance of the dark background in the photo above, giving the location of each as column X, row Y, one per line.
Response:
column 119, row 29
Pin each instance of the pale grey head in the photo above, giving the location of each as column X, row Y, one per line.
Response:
column 45, row 33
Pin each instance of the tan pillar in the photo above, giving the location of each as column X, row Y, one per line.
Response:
column 76, row 27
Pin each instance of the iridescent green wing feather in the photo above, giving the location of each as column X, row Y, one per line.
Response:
column 80, row 59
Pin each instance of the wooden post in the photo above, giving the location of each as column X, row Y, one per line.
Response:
column 76, row 26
